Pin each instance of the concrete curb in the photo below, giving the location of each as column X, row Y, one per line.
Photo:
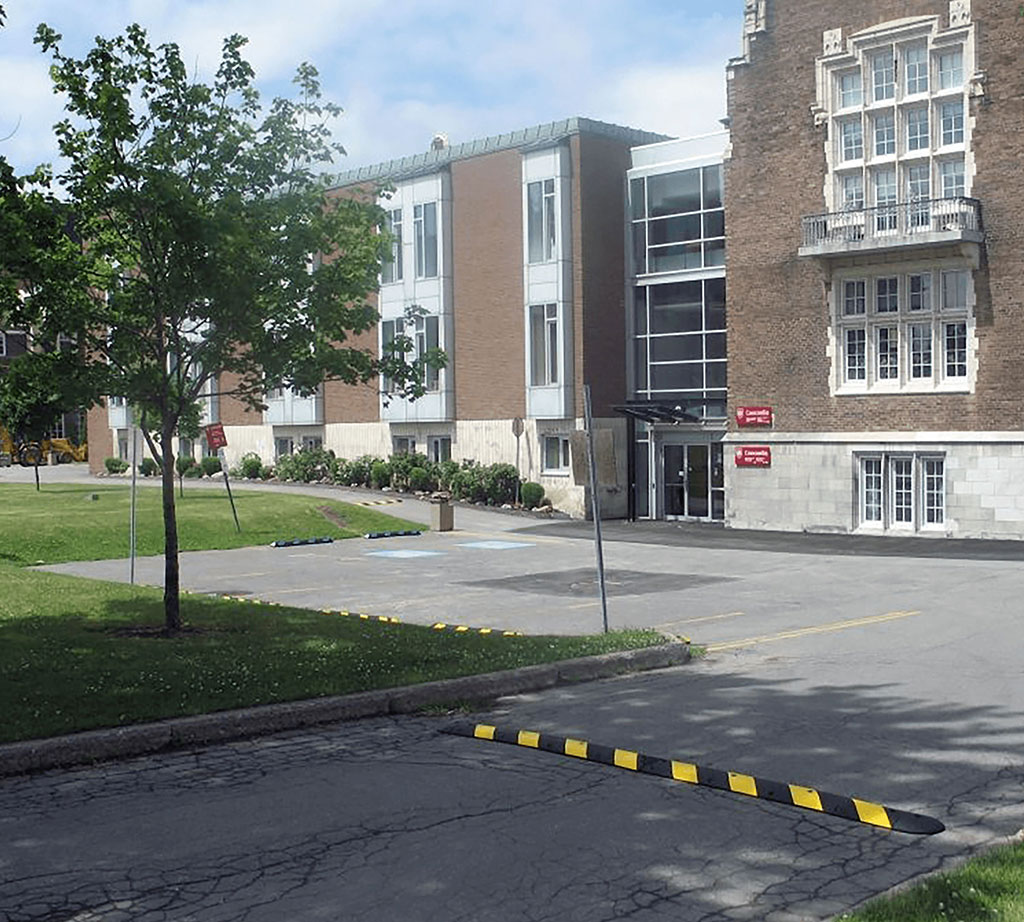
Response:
column 222, row 726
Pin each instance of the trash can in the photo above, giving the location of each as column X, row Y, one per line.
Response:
column 442, row 516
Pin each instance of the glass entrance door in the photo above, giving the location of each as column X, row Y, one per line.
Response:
column 694, row 481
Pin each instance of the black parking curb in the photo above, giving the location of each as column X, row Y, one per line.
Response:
column 93, row 746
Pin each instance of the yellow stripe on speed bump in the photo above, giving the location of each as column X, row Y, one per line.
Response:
column 806, row 631
column 465, row 629
column 794, row 795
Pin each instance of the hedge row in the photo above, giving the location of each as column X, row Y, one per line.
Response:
column 494, row 484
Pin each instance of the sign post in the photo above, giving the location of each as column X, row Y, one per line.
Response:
column 517, row 431
column 217, row 440
column 595, row 504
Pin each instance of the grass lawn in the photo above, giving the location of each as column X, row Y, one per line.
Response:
column 988, row 889
column 61, row 522
column 67, row 662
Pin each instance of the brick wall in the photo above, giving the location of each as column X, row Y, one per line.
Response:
column 778, row 319
column 101, row 438
column 487, row 245
column 599, row 270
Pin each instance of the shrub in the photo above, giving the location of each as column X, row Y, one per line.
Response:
column 531, row 494
column 307, row 465
column 148, row 467
column 267, row 472
column 380, row 474
column 446, row 470
column 210, row 465
column 468, row 483
column 184, row 463
column 421, row 479
column 194, row 472
column 251, row 466
column 358, row 472
column 500, row 483
column 115, row 465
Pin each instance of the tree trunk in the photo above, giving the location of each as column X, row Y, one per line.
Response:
column 172, row 610
column 36, row 466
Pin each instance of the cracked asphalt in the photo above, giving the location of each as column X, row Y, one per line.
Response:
column 388, row 819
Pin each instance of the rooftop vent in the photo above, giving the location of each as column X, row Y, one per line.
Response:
column 439, row 141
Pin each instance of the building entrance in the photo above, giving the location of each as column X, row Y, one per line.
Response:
column 693, row 479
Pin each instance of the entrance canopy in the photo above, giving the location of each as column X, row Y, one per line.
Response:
column 652, row 411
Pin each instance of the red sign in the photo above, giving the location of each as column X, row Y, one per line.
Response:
column 754, row 416
column 215, row 437
column 754, row 456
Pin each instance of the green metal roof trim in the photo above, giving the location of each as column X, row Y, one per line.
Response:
column 526, row 138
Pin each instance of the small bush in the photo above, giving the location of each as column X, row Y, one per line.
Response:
column 358, row 472
column 184, row 463
column 531, row 494
column 307, row 465
column 380, row 474
column 194, row 472
column 420, row 479
column 148, row 467
column 446, row 470
column 251, row 466
column 211, row 465
column 115, row 465
column 267, row 473
column 468, row 483
column 500, row 483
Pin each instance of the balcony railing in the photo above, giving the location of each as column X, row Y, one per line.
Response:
column 914, row 223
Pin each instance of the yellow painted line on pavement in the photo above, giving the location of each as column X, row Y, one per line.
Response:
column 807, row 631
column 731, row 614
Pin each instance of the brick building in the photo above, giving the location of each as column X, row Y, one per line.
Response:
column 510, row 249
column 875, row 268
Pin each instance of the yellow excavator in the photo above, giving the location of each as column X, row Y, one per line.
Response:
column 29, row 454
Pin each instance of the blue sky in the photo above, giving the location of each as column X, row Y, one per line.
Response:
column 404, row 70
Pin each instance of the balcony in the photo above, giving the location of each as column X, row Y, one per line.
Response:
column 286, row 408
column 950, row 223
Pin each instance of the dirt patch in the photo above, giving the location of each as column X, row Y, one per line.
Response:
column 328, row 513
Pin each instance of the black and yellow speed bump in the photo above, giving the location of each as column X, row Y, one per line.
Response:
column 466, row 629
column 383, row 619
column 793, row 795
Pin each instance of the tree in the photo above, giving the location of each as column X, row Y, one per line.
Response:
column 36, row 391
column 202, row 218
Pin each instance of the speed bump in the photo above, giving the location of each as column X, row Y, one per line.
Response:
column 465, row 629
column 793, row 795
column 379, row 502
column 362, row 616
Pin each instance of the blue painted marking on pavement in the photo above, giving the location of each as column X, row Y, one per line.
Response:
column 405, row 554
column 496, row 545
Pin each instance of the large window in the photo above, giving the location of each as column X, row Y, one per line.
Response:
column 424, row 333
column 425, row 230
column 901, row 491
column 541, row 221
column 678, row 221
column 680, row 345
column 544, row 348
column 391, row 271
column 902, row 338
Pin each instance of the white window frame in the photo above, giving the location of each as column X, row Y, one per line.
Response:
column 391, row 270
column 545, row 339
column 884, row 132
column 951, row 178
column 951, row 122
column 915, row 69
column 918, row 136
column 851, row 140
column 542, row 220
column 951, row 69
column 426, row 237
column 439, row 448
column 425, row 332
column 403, row 444
column 561, row 450
column 849, row 89
column 886, row 503
column 3, row 344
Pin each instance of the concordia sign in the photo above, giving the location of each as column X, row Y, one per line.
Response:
column 754, row 456
column 754, row 416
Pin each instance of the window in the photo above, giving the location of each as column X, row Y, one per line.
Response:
column 885, row 134
column 541, row 221
column 3, row 343
column 403, row 445
column 853, row 192
column 391, row 270
column 920, row 291
column 887, row 294
column 856, row 355
column 283, row 445
column 854, row 298
column 951, row 70
column 556, row 453
column 917, row 129
column 544, row 352
column 952, row 122
column 439, row 448
column 915, row 69
column 850, row 89
column 425, row 230
column 918, row 192
column 887, row 216
column 951, row 178
column 902, row 491
column 908, row 341
column 920, row 351
column 883, row 74
column 851, row 140
column 424, row 331
column 312, row 443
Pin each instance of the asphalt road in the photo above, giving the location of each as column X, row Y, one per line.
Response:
column 891, row 677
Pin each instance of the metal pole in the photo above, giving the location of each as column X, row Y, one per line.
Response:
column 595, row 503
column 227, row 483
column 518, row 478
column 131, row 528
